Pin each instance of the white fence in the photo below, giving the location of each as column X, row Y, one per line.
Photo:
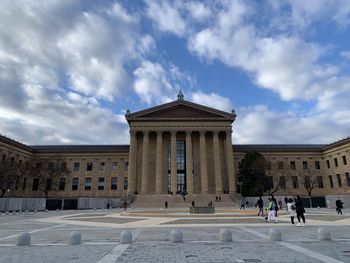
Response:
column 22, row 204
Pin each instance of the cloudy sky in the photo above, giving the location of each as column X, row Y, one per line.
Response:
column 70, row 69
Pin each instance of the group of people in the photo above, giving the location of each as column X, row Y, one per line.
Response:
column 294, row 206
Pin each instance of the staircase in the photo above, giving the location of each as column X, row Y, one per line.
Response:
column 176, row 201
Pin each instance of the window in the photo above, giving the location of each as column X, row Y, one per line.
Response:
column 3, row 157
column 35, row 184
column 89, row 166
column 76, row 167
column 292, row 165
column 330, row 181
column 283, row 181
column 320, row 181
column 114, row 181
column 328, row 164
column 48, row 184
column 38, row 165
column 336, row 162
column 305, row 165
column 51, row 166
column 126, row 166
column 280, row 165
column 346, row 176
column 317, row 165
column 307, row 181
column 75, row 183
column 88, row 183
column 24, row 183
column 102, row 166
column 125, row 183
column 270, row 181
column 63, row 166
column 295, row 182
column 268, row 165
column 101, row 183
column 344, row 160
column 62, row 184
column 339, row 180
column 114, row 166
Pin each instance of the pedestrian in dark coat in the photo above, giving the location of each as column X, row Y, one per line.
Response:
column 299, row 207
column 339, row 205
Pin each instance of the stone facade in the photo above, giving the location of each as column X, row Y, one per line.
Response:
column 183, row 146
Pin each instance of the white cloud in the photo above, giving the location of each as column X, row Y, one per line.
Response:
column 212, row 100
column 198, row 10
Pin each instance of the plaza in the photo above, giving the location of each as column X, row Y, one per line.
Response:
column 151, row 242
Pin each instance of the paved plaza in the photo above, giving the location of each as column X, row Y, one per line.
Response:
column 151, row 229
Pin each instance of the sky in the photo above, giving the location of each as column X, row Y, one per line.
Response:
column 69, row 70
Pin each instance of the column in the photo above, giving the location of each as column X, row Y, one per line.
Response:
column 217, row 163
column 144, row 180
column 230, row 164
column 159, row 163
column 203, row 160
column 189, row 163
column 173, row 163
column 132, row 163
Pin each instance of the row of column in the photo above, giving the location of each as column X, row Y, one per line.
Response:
column 189, row 163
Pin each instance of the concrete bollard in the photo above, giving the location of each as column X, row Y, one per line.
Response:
column 74, row 238
column 275, row 234
column 323, row 234
column 24, row 239
column 225, row 235
column 176, row 236
column 126, row 237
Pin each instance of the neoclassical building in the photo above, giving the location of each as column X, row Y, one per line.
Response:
column 183, row 146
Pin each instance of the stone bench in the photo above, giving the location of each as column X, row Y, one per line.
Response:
column 202, row 210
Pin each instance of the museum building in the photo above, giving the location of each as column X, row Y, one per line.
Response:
column 182, row 147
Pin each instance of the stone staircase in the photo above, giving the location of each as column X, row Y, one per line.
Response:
column 176, row 201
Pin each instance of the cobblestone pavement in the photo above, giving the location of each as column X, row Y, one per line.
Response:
column 100, row 243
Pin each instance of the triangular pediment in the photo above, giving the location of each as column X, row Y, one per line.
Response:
column 180, row 109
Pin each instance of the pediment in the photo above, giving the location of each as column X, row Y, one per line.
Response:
column 180, row 109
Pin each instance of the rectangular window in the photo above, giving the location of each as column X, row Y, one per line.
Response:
column 88, row 183
column 320, row 181
column 317, row 165
column 282, row 181
column 268, row 165
column 344, row 160
column 114, row 166
column 89, row 166
column 330, row 181
column 48, row 184
column 305, row 165
column 339, row 180
column 75, row 183
column 102, row 166
column 347, row 176
column 35, row 184
column 126, row 166
column 125, row 183
column 335, row 162
column 292, row 165
column 114, row 183
column 295, row 182
column 328, row 164
column 3, row 157
column 51, row 166
column 270, row 181
column 64, row 167
column 280, row 165
column 76, row 167
column 307, row 181
column 24, row 183
column 101, row 183
column 62, row 184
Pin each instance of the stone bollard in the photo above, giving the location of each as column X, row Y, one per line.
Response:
column 275, row 234
column 126, row 237
column 225, row 235
column 74, row 238
column 176, row 236
column 23, row 239
column 323, row 234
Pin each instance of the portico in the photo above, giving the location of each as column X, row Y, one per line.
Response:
column 181, row 146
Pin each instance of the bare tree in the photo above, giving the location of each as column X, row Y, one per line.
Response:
column 46, row 172
column 310, row 182
column 12, row 171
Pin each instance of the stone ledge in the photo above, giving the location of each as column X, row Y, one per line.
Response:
column 202, row 210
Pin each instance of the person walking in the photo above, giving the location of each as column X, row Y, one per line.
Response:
column 260, row 205
column 286, row 200
column 280, row 204
column 272, row 211
column 242, row 204
column 300, row 210
column 339, row 205
column 291, row 208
